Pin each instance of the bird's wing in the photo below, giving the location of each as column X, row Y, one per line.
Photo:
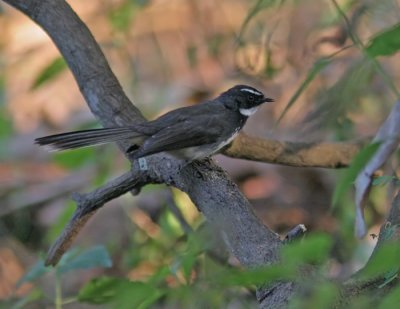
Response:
column 181, row 135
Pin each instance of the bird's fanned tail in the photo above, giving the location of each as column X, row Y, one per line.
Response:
column 85, row 138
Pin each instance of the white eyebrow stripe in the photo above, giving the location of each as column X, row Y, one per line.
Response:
column 251, row 91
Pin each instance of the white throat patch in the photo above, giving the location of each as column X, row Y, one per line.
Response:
column 248, row 111
column 251, row 91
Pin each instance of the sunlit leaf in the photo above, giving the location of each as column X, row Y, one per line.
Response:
column 349, row 176
column 37, row 271
column 93, row 257
column 53, row 69
column 385, row 43
column 170, row 225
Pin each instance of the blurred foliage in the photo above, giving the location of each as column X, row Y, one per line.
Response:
column 157, row 263
column 53, row 69
column 316, row 68
column 349, row 176
column 75, row 159
column 122, row 16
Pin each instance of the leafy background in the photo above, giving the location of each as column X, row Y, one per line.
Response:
column 135, row 253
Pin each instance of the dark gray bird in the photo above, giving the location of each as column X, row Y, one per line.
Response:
column 189, row 133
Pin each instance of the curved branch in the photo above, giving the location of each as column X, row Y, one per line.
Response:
column 87, row 205
column 328, row 155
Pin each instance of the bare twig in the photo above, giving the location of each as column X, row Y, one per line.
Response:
column 87, row 205
column 43, row 193
column 295, row 233
column 328, row 155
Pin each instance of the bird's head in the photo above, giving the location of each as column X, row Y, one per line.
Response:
column 244, row 99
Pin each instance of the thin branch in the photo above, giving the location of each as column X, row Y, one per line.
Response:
column 328, row 155
column 87, row 205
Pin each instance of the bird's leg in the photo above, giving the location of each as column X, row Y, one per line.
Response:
column 201, row 165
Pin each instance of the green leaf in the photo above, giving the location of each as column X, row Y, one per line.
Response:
column 93, row 257
column 317, row 67
column 75, row 159
column 123, row 293
column 186, row 263
column 313, row 249
column 101, row 290
column 349, row 176
column 383, row 263
column 160, row 275
column 49, row 72
column 257, row 8
column 137, row 295
column 191, row 54
column 6, row 126
column 385, row 43
column 256, row 276
column 321, row 295
column 325, row 296
column 122, row 16
column 6, row 131
column 37, row 271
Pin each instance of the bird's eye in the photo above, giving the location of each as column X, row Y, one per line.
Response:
column 251, row 98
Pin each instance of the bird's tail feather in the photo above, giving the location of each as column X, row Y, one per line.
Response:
column 77, row 139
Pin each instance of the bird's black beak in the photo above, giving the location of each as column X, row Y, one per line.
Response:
column 267, row 100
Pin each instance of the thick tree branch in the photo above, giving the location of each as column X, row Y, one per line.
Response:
column 213, row 193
